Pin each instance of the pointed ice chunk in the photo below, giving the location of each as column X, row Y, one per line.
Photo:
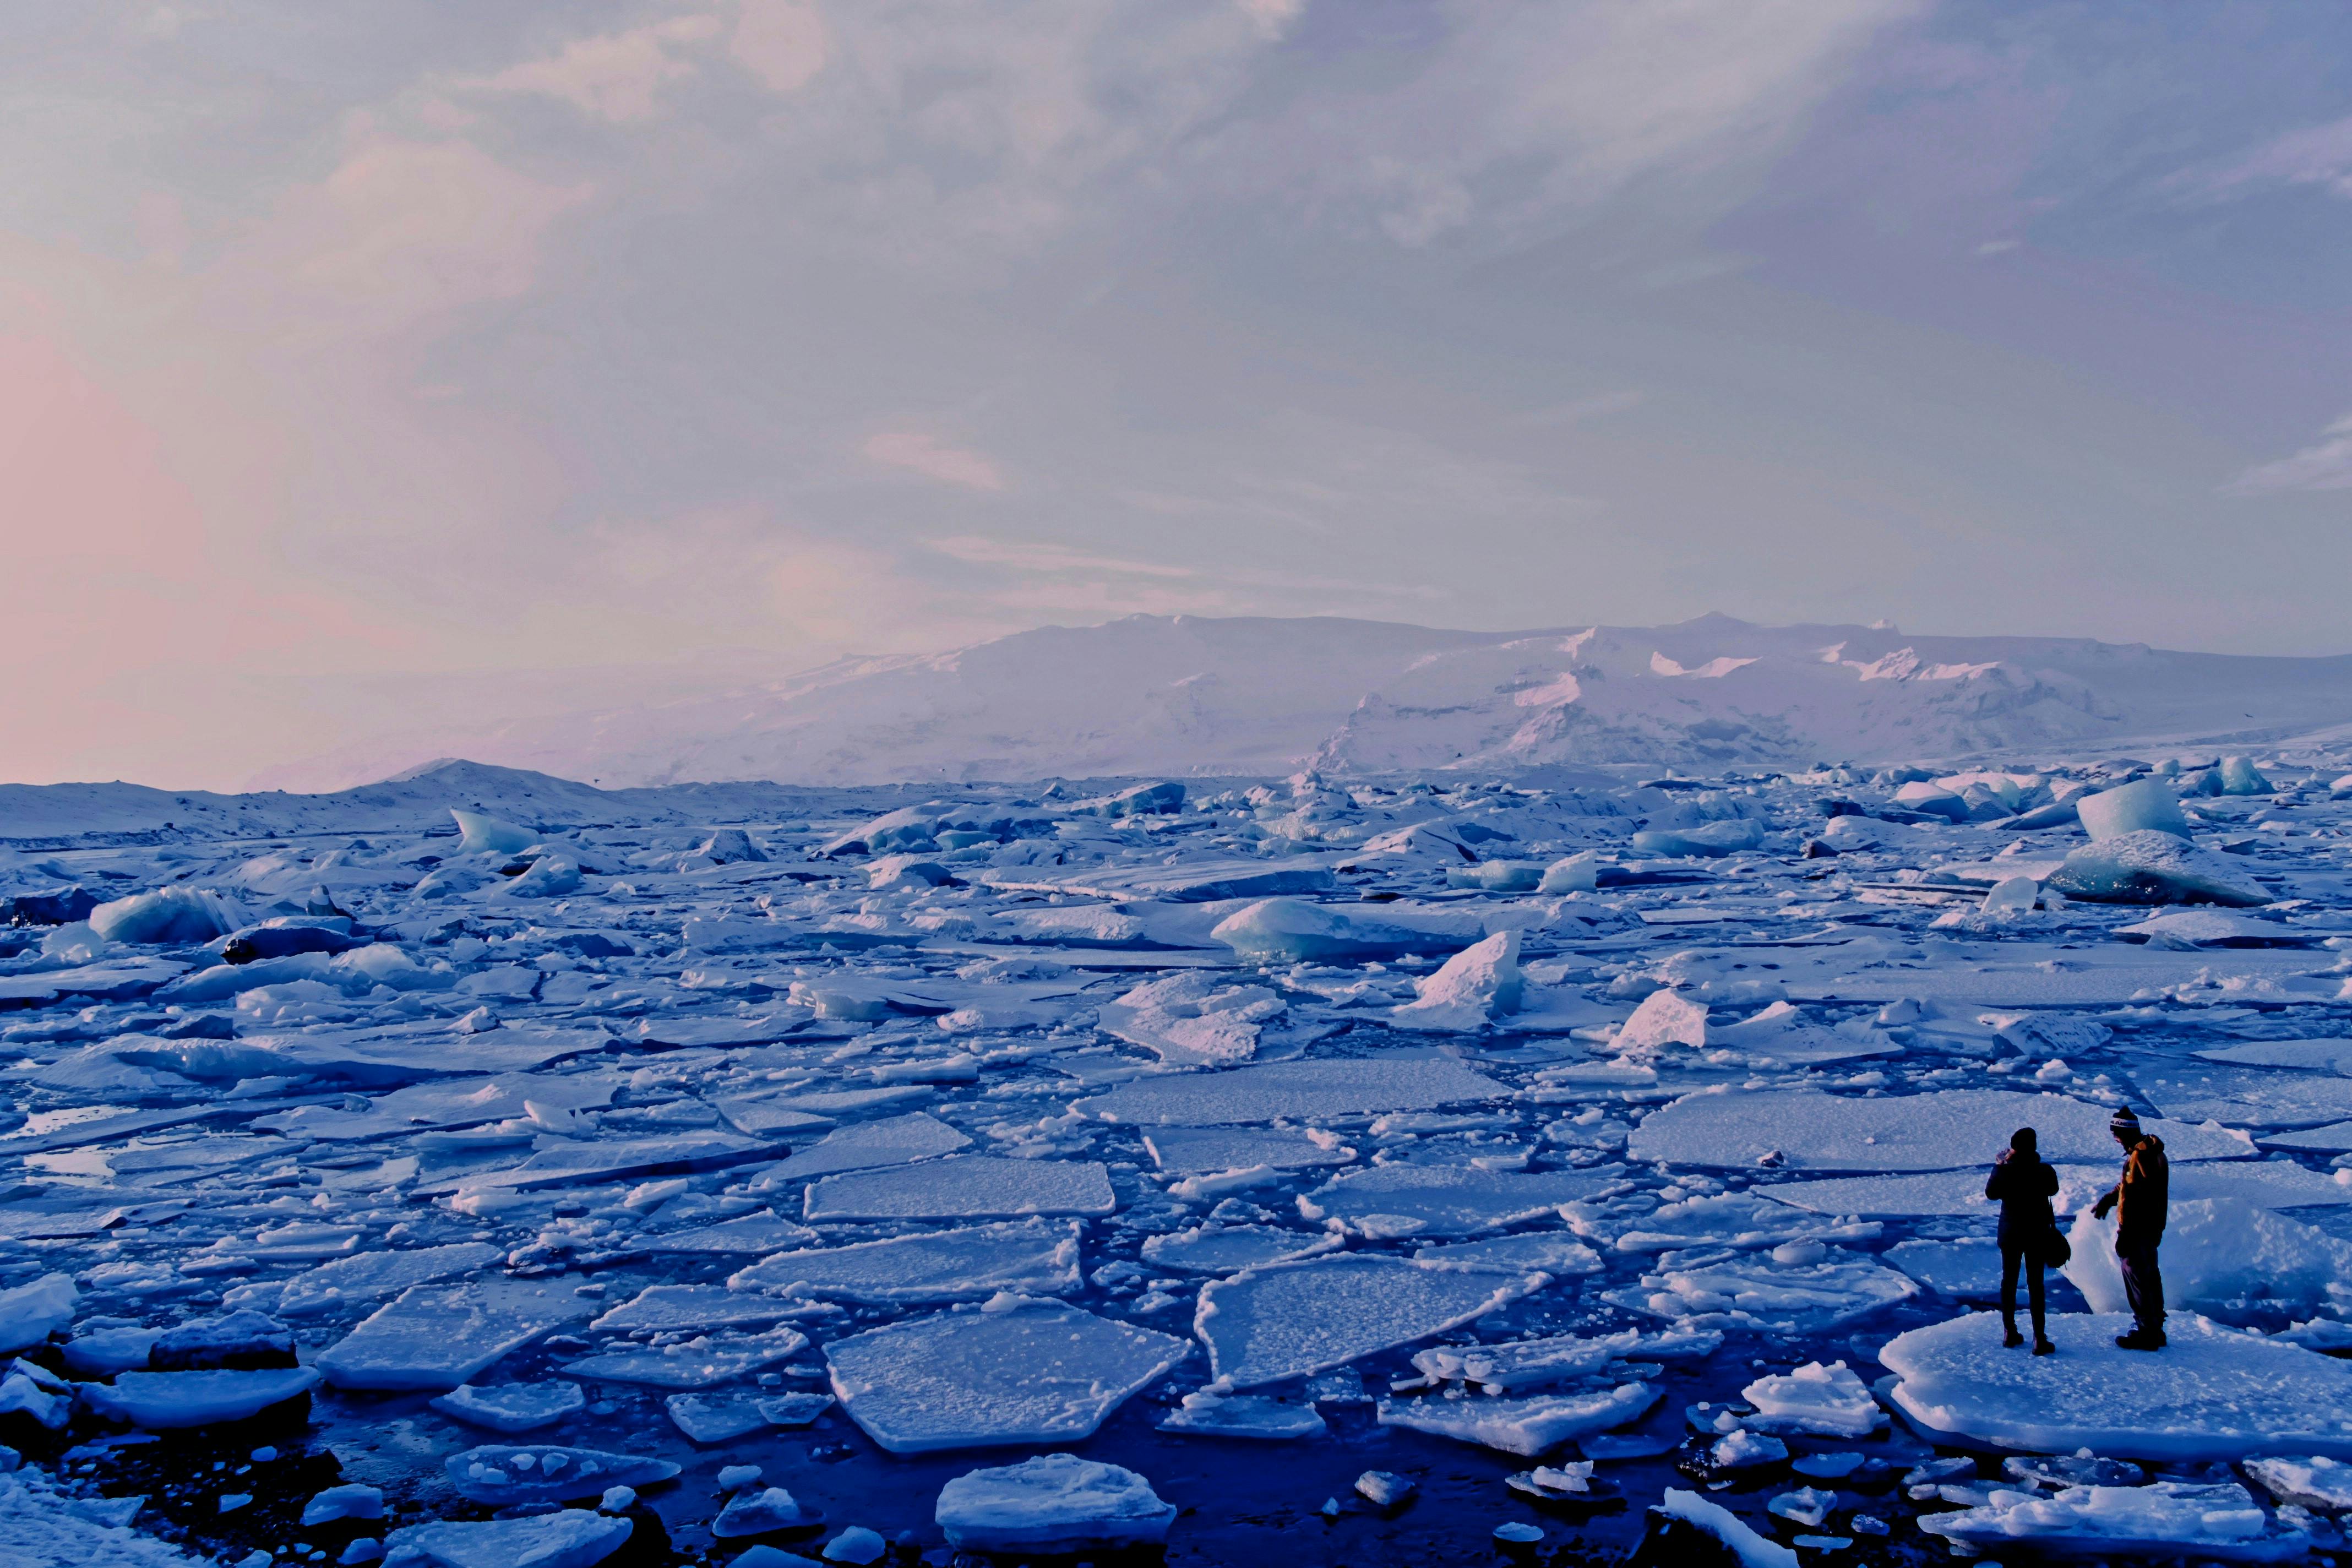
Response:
column 1822, row 1401
column 1662, row 1019
column 2219, row 1254
column 481, row 834
column 1385, row 1201
column 436, row 1337
column 1031, row 1372
column 1055, row 1503
column 1035, row 1257
column 1293, row 1319
column 1287, row 930
column 966, row 1187
column 1473, row 988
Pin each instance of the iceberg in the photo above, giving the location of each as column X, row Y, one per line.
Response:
column 2220, row 1255
column 1469, row 992
column 1014, row 1371
column 1287, row 930
column 963, row 1186
column 481, row 833
column 1055, row 1503
column 167, row 915
column 2144, row 806
column 1291, row 1320
column 2148, row 866
column 1035, row 1257
column 1708, row 839
column 2213, row 1393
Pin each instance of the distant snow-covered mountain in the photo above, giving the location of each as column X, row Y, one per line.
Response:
column 1189, row 695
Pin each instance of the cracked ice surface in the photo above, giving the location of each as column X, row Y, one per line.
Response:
column 649, row 1116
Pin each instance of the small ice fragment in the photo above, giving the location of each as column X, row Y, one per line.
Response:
column 757, row 1513
column 856, row 1545
column 1383, row 1488
column 351, row 1502
column 735, row 1477
column 1055, row 1503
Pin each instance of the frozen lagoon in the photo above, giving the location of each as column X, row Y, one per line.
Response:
column 735, row 1127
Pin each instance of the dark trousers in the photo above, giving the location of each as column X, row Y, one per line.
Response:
column 2011, row 1259
column 2143, row 1284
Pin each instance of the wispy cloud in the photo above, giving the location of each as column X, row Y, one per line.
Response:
column 2325, row 464
column 1023, row 555
column 934, row 460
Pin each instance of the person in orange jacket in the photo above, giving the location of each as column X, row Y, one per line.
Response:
column 2140, row 1202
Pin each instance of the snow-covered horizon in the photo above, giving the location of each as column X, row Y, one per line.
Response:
column 1202, row 696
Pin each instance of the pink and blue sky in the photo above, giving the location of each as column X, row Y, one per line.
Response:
column 361, row 366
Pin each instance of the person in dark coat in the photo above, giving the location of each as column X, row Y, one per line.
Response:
column 2023, row 1183
column 2142, row 1201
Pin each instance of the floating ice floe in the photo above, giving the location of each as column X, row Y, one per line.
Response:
column 433, row 1338
column 513, row 1406
column 1301, row 1090
column 1749, row 1219
column 1014, row 1371
column 1193, row 1018
column 164, row 1401
column 1765, row 1295
column 1526, row 1425
column 30, row 1313
column 964, row 1187
column 1210, row 1412
column 568, row 1538
column 503, row 1475
column 894, row 1140
column 2213, row 1393
column 2315, row 1481
column 1816, row 1400
column 1386, row 1201
column 1554, row 1253
column 667, row 1308
column 1293, row 1319
column 698, row 1363
column 1033, row 1257
column 2205, row 1521
column 1227, row 1250
column 1804, row 1130
column 1186, row 1150
column 1747, row 1548
column 372, row 1276
column 1055, row 1503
